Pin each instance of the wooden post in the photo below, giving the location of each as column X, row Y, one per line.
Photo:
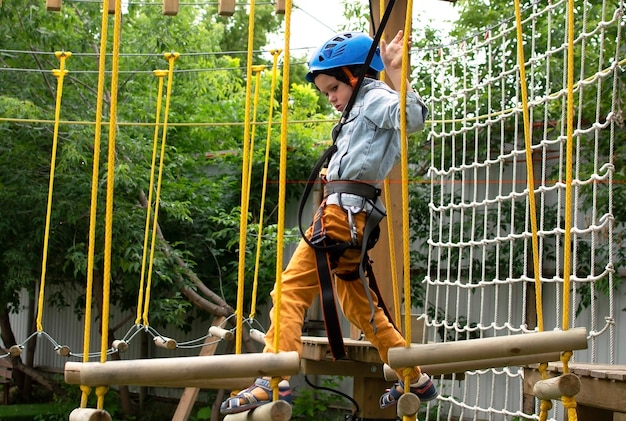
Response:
column 273, row 411
column 170, row 7
column 489, row 348
column 89, row 414
column 157, row 371
column 226, row 7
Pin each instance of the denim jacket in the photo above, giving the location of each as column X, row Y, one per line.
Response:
column 368, row 145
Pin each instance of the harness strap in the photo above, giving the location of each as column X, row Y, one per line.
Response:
column 371, row 224
column 358, row 188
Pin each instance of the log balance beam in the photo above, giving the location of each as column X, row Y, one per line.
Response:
column 182, row 371
column 485, row 349
column 273, row 411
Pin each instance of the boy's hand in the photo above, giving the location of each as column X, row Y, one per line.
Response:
column 391, row 53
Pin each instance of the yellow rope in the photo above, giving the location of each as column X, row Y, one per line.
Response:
column 171, row 57
column 60, row 75
column 406, row 235
column 390, row 228
column 275, row 54
column 160, row 74
column 243, row 220
column 108, row 230
column 406, row 244
column 529, row 167
column 86, row 390
column 282, row 183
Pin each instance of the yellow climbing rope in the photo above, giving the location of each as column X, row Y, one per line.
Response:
column 60, row 75
column 568, row 402
column 171, row 58
column 282, row 176
column 275, row 54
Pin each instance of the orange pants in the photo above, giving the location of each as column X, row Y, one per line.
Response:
column 300, row 287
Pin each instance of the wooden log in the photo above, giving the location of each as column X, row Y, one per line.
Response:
column 221, row 333
column 273, row 411
column 154, row 371
column 408, row 405
column 567, row 384
column 488, row 348
column 163, row 342
column 89, row 414
column 257, row 336
column 120, row 345
column 64, row 351
column 170, row 7
column 463, row 366
column 53, row 5
column 226, row 7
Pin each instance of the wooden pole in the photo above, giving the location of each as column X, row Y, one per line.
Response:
column 488, row 348
column 156, row 371
column 273, row 411
column 463, row 366
column 89, row 414
column 567, row 384
column 408, row 405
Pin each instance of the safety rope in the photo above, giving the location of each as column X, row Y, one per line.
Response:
column 86, row 390
column 282, row 186
column 406, row 237
column 243, row 220
column 60, row 75
column 171, row 58
column 160, row 74
column 275, row 54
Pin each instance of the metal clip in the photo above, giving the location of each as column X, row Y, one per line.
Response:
column 353, row 230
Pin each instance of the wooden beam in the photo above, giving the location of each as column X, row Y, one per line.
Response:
column 156, row 371
column 463, row 366
column 53, row 5
column 489, row 348
column 273, row 411
column 170, row 7
column 226, row 7
column 279, row 7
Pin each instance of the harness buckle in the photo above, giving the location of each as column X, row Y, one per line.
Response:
column 318, row 236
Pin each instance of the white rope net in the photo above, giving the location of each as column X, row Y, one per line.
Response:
column 480, row 281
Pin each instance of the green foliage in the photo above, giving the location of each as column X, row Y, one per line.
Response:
column 200, row 191
column 310, row 403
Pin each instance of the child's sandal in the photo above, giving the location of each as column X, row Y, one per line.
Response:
column 234, row 405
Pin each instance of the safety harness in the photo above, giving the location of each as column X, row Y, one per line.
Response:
column 327, row 249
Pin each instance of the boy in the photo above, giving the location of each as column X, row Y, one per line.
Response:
column 368, row 146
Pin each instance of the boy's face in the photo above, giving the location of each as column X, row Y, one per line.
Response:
column 337, row 92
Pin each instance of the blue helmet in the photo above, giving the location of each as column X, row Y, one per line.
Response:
column 344, row 49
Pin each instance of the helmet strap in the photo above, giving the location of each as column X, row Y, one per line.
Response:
column 353, row 79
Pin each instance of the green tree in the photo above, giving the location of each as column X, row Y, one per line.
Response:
column 195, row 274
